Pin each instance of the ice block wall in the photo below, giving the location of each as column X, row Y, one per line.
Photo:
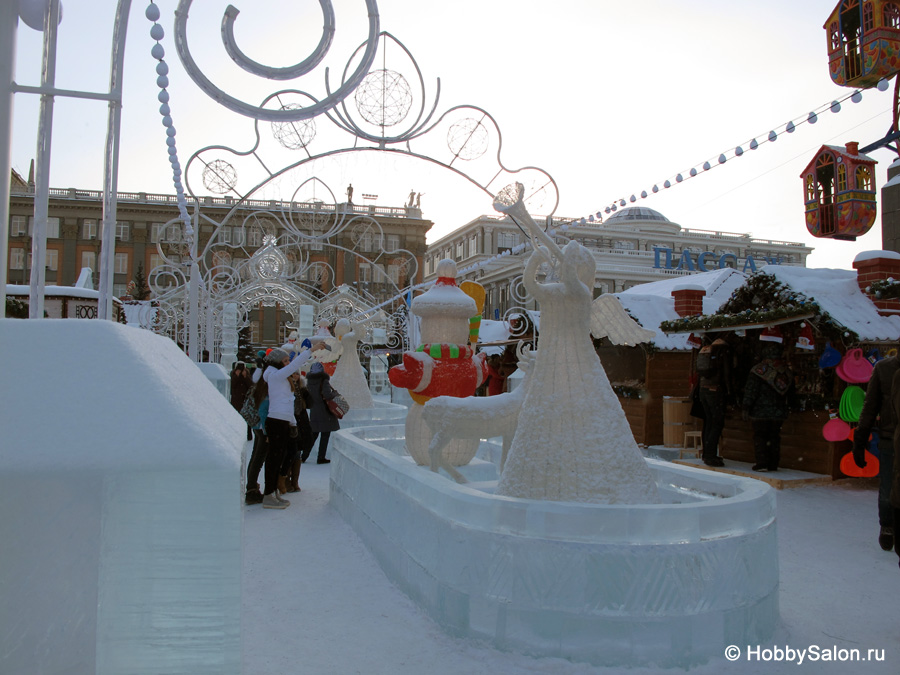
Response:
column 669, row 584
column 120, row 516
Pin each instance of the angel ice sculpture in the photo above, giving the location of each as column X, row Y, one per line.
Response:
column 349, row 378
column 573, row 442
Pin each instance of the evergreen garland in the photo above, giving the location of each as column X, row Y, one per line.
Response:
column 761, row 300
column 884, row 289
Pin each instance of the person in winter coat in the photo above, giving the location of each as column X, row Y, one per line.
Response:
column 240, row 385
column 894, row 501
column 281, row 425
column 260, row 444
column 320, row 418
column 878, row 413
column 290, row 468
column 714, row 371
column 769, row 386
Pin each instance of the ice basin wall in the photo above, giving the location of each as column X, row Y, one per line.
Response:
column 670, row 584
column 382, row 412
column 119, row 494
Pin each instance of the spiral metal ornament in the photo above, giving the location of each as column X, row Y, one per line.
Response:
column 304, row 67
column 384, row 98
column 468, row 139
column 294, row 135
column 219, row 176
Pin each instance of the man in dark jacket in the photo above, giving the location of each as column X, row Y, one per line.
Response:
column 714, row 369
column 767, row 393
column 878, row 414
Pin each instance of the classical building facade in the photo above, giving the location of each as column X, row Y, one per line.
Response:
column 634, row 246
column 148, row 229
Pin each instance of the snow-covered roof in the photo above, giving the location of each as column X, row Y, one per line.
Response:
column 651, row 304
column 838, row 293
column 54, row 291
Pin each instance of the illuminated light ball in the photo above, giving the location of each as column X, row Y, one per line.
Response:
column 693, row 171
column 679, row 178
column 655, row 188
column 836, row 105
column 813, row 118
column 722, row 158
column 152, row 12
column 157, row 32
column 621, row 202
column 667, row 184
column 790, row 127
column 738, row 151
column 706, row 166
column 632, row 199
column 753, row 144
column 773, row 136
column 32, row 12
column 643, row 194
column 883, row 85
column 157, row 51
column 607, row 209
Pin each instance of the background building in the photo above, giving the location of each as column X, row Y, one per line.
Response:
column 148, row 228
column 634, row 246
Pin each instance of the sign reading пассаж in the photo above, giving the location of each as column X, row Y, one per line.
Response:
column 706, row 261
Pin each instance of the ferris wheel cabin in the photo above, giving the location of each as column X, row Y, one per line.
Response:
column 840, row 193
column 863, row 42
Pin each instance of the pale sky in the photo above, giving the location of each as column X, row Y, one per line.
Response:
column 607, row 97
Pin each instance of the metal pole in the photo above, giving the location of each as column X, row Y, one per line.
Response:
column 111, row 164
column 42, row 166
column 9, row 19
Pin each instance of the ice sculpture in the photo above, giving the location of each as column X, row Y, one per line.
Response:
column 444, row 364
column 349, row 378
column 573, row 442
column 475, row 417
column 121, row 535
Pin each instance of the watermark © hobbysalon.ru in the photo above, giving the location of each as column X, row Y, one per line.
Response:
column 798, row 656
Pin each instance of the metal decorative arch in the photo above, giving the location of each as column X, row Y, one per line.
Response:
column 389, row 116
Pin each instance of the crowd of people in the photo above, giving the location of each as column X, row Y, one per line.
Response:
column 292, row 415
column 766, row 394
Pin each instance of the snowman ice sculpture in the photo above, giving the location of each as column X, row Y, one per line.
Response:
column 444, row 364
column 349, row 378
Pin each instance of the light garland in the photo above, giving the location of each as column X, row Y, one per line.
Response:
column 738, row 151
column 162, row 81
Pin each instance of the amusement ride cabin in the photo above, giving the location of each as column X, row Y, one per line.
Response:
column 840, row 192
column 863, row 42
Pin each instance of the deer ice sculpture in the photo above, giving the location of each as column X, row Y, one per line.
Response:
column 476, row 418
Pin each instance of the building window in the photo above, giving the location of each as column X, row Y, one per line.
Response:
column 155, row 260
column 473, row 244
column 52, row 227
column 122, row 230
column 365, row 242
column 842, row 178
column 89, row 229
column 393, row 243
column 120, row 290
column 254, row 332
column 121, row 264
column 863, row 178
column 394, row 274
column 891, row 16
column 365, row 272
column 868, row 20
column 18, row 226
column 624, row 245
column 156, row 232
column 89, row 260
column 507, row 239
column 17, row 258
column 810, row 188
column 52, row 259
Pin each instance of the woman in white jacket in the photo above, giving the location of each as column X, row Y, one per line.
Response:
column 281, row 424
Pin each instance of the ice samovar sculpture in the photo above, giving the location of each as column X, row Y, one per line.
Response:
column 445, row 364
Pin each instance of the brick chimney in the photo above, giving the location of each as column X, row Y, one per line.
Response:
column 873, row 266
column 852, row 147
column 689, row 300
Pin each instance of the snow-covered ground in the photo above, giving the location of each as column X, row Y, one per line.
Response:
column 315, row 601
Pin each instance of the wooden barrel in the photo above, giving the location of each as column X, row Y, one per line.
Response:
column 676, row 420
